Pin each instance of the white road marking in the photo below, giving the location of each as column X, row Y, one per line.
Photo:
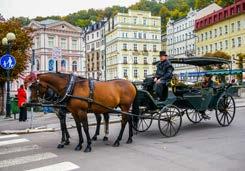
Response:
column 26, row 159
column 14, row 141
column 9, row 150
column 9, row 136
column 64, row 166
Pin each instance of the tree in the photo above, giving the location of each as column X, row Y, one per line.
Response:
column 241, row 60
column 218, row 54
column 19, row 50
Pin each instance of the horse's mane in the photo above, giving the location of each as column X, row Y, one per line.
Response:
column 62, row 75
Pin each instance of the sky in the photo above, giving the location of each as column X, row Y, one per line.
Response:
column 33, row 8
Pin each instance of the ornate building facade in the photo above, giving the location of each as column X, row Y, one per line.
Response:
column 133, row 42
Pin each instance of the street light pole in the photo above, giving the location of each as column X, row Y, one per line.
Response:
column 7, row 42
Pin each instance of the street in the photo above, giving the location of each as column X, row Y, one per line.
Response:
column 203, row 146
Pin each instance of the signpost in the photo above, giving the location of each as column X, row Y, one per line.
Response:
column 8, row 62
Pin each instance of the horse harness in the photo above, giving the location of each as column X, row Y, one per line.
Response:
column 50, row 95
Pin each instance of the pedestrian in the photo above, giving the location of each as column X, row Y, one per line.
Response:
column 164, row 74
column 21, row 101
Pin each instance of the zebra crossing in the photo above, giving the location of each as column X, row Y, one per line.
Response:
column 15, row 145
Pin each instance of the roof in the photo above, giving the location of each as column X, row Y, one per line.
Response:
column 198, row 61
column 48, row 21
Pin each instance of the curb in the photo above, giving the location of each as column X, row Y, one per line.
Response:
column 45, row 129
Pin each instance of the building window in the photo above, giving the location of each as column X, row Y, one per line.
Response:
column 232, row 27
column 238, row 25
column 38, row 65
column 135, row 35
column 215, row 32
column 125, row 46
column 226, row 29
column 226, row 44
column 206, row 35
column 220, row 31
column 74, row 44
column 125, row 73
column 140, row 35
column 201, row 37
column 135, row 47
column 135, row 60
column 210, row 34
column 87, row 37
column 145, row 60
column 211, row 47
column 144, row 35
column 216, row 46
column 38, row 42
column 145, row 73
column 74, row 66
column 88, row 47
column 233, row 43
column 51, row 42
column 220, row 45
column 125, row 60
column 51, row 65
column 144, row 22
column 63, row 65
column 145, row 47
column 239, row 41
column 154, row 48
column 135, row 73
column 97, row 34
column 154, row 59
column 92, row 35
column 135, row 20
column 63, row 43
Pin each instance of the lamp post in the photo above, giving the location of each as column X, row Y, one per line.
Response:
column 7, row 41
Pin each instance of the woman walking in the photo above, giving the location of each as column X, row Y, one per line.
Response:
column 21, row 102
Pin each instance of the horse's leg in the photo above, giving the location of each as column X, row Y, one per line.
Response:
column 97, row 132
column 62, row 126
column 106, row 126
column 86, row 130
column 67, row 141
column 123, row 124
column 79, row 130
column 130, row 127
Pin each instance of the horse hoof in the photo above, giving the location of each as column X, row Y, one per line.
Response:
column 116, row 144
column 105, row 139
column 60, row 146
column 129, row 141
column 94, row 138
column 67, row 142
column 88, row 149
column 78, row 148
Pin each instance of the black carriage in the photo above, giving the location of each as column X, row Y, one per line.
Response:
column 184, row 99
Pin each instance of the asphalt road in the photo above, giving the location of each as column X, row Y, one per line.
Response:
column 204, row 146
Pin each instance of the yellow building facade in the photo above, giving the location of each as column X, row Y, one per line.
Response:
column 133, row 42
column 223, row 30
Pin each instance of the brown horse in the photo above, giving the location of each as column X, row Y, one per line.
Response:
column 115, row 93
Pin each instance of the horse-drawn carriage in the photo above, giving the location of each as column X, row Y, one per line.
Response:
column 189, row 100
column 80, row 95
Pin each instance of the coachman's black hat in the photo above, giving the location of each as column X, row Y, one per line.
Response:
column 162, row 53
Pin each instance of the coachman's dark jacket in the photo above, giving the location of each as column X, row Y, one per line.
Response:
column 164, row 71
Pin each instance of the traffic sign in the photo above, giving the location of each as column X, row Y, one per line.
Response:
column 7, row 61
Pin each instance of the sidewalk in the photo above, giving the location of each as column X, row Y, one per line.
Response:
column 43, row 122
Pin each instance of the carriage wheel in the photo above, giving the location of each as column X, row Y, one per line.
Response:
column 144, row 122
column 225, row 110
column 169, row 120
column 194, row 116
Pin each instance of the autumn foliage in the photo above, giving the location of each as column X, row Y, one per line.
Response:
column 19, row 47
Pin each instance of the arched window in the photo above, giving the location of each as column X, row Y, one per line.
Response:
column 63, row 65
column 51, row 65
column 74, row 66
column 38, row 65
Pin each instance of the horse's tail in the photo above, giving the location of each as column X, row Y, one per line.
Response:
column 135, row 107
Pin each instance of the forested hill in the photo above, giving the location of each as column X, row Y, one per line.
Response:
column 171, row 9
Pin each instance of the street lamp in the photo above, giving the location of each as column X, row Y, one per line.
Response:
column 7, row 41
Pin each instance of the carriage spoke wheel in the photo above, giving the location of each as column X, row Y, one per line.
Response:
column 169, row 120
column 225, row 110
column 194, row 116
column 144, row 122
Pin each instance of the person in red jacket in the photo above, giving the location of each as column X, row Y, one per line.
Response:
column 21, row 101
